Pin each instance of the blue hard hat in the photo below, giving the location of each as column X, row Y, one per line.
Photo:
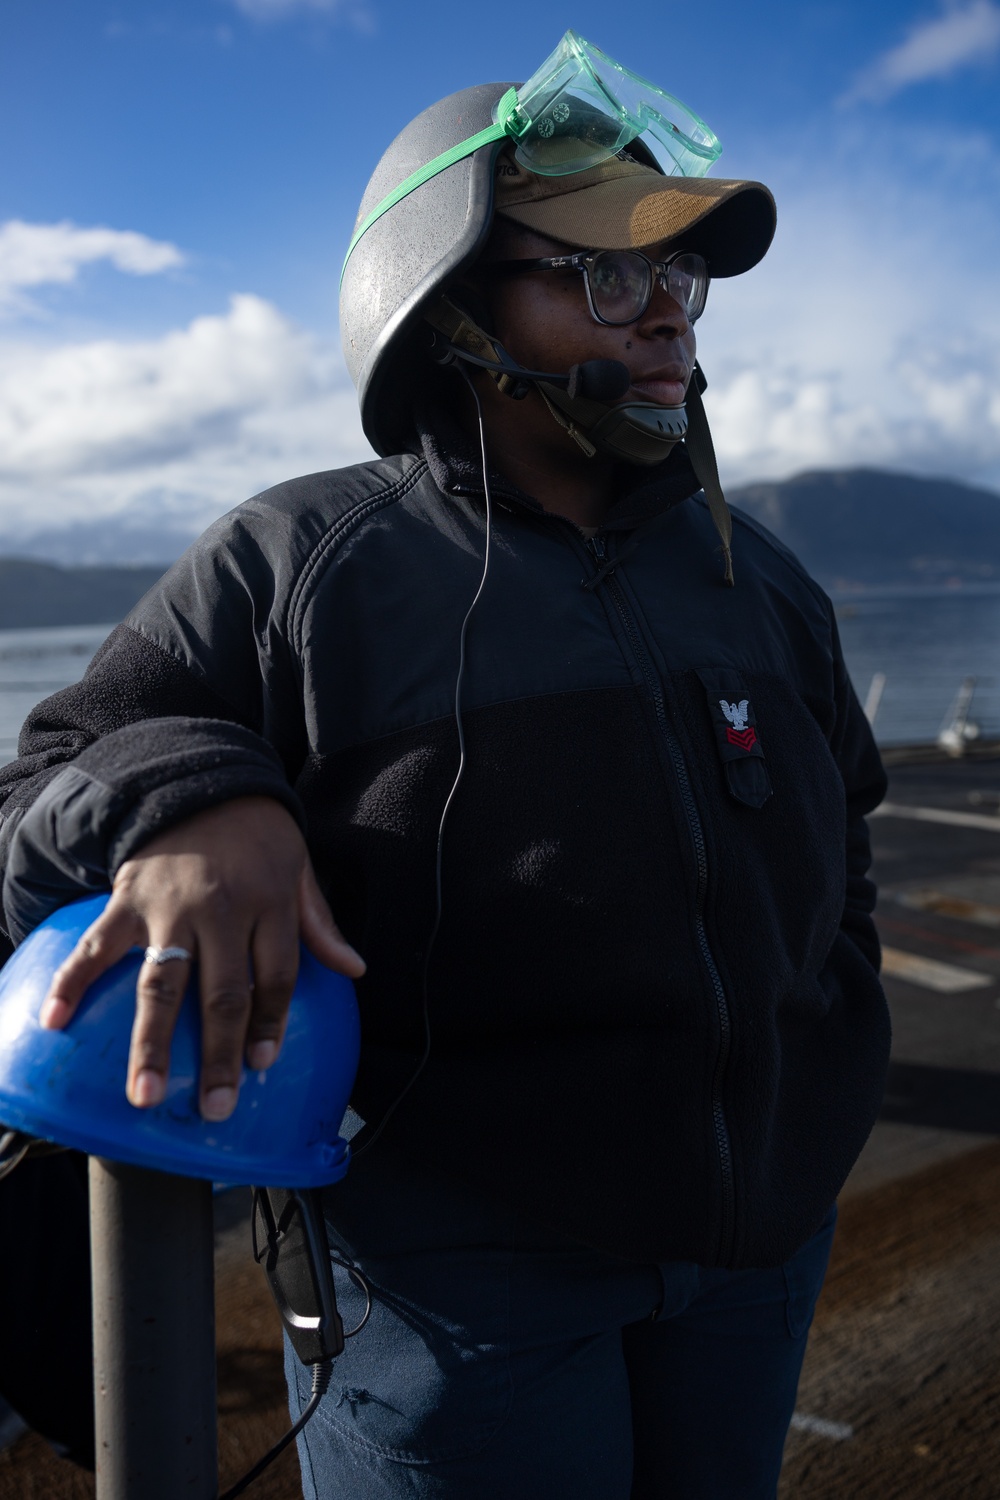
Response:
column 69, row 1086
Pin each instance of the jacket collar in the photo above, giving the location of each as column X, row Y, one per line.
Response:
column 456, row 468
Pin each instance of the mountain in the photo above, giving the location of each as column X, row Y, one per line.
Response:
column 852, row 528
column 37, row 593
column 864, row 528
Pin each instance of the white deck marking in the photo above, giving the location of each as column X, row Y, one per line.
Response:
column 945, row 905
column 938, row 815
column 839, row 1431
column 931, row 974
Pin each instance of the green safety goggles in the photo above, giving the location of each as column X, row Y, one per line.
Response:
column 580, row 108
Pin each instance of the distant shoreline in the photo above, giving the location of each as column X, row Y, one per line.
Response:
column 36, row 595
column 855, row 593
column 39, row 595
column 863, row 534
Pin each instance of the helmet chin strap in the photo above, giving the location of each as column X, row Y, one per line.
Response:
column 583, row 403
column 638, row 431
column 642, row 433
column 701, row 451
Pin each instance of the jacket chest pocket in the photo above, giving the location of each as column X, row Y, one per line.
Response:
column 737, row 740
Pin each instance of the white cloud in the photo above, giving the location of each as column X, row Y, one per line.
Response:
column 780, row 420
column 273, row 10
column 355, row 13
column 965, row 34
column 33, row 255
column 182, row 427
column 869, row 335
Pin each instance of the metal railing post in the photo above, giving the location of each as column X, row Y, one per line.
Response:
column 154, row 1334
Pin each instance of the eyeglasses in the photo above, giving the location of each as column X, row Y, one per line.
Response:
column 620, row 283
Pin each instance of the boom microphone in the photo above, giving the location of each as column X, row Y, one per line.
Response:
column 595, row 380
column 587, row 401
column 457, row 336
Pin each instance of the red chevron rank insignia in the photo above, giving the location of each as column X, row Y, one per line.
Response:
column 744, row 738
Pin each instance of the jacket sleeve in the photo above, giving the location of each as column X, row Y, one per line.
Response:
column 174, row 715
column 865, row 785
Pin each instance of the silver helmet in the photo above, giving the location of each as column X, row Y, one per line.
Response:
column 407, row 256
column 426, row 216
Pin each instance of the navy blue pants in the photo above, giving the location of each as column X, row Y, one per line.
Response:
column 503, row 1363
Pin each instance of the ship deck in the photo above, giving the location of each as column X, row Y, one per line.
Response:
column 900, row 1396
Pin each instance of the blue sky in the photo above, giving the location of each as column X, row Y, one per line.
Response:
column 179, row 182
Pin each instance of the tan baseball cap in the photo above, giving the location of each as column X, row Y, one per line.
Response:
column 623, row 204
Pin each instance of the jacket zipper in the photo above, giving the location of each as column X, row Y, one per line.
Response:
column 596, row 547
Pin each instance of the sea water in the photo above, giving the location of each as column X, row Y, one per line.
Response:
column 35, row 663
column 924, row 641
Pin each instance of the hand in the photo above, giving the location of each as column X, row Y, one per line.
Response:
column 234, row 886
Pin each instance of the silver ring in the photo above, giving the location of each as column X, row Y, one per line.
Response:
column 167, row 955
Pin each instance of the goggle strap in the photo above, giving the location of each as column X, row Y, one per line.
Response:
column 701, row 451
column 441, row 163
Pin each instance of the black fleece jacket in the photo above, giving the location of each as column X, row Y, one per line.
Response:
column 655, row 1014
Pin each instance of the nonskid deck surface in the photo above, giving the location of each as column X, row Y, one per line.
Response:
column 253, row 1404
column 900, row 1397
